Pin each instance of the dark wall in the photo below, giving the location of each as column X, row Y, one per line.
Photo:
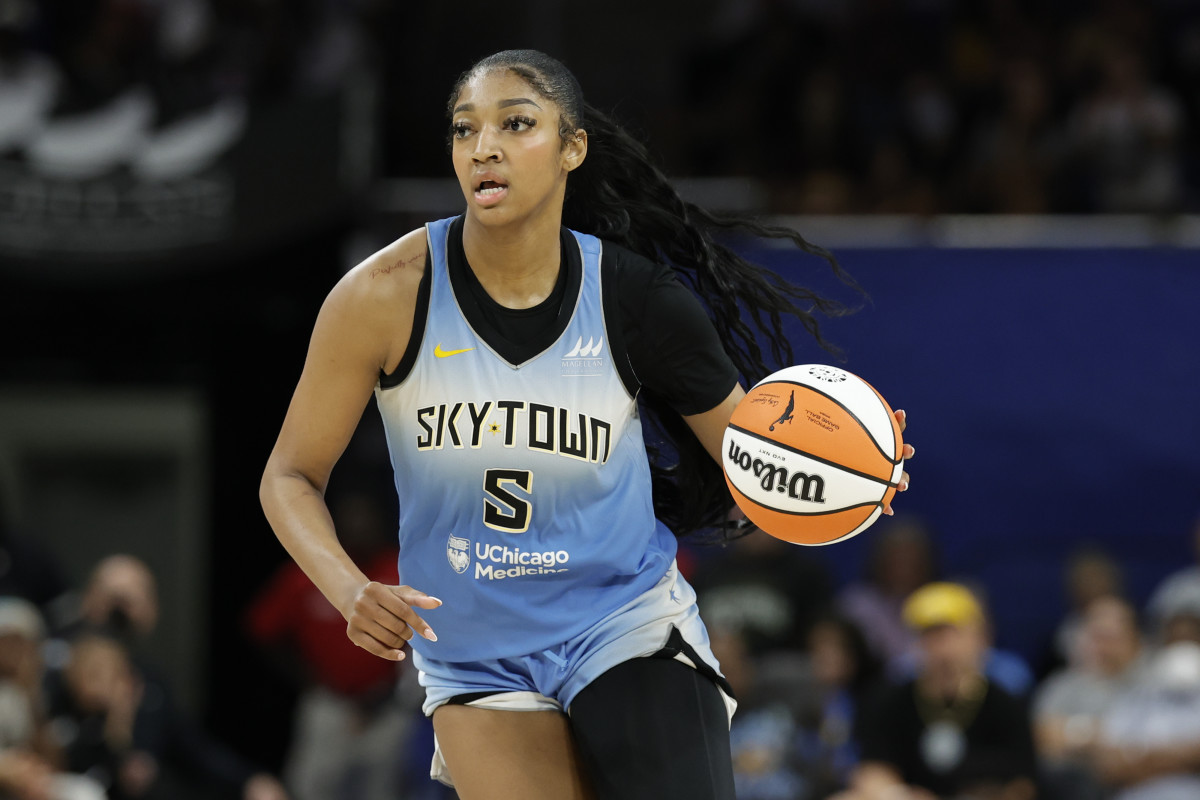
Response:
column 236, row 334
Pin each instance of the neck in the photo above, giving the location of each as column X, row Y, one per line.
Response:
column 516, row 264
column 948, row 685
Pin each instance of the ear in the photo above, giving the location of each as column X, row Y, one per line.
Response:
column 575, row 150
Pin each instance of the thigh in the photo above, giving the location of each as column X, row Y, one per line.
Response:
column 654, row 729
column 498, row 755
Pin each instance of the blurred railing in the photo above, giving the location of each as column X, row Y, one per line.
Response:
column 426, row 198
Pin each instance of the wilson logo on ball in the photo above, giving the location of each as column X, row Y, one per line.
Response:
column 773, row 477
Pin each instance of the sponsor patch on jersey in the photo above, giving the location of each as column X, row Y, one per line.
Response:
column 495, row 562
column 458, row 553
column 584, row 359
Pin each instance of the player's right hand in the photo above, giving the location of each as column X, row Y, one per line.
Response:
column 381, row 618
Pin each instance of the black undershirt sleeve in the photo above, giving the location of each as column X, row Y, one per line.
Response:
column 671, row 343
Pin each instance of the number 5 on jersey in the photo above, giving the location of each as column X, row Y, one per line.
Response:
column 503, row 510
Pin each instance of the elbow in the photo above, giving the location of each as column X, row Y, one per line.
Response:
column 266, row 486
column 280, row 482
column 269, row 486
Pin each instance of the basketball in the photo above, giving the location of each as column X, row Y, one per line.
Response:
column 811, row 454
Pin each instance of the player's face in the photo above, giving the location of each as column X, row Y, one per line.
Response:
column 509, row 158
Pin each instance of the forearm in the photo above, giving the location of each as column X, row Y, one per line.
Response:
column 296, row 510
column 1124, row 766
column 1058, row 738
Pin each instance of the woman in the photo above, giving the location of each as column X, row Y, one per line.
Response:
column 507, row 354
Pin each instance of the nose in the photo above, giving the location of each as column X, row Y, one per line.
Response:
column 487, row 145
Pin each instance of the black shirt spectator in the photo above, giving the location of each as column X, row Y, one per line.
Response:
column 983, row 739
column 950, row 732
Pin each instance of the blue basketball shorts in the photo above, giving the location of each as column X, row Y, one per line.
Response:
column 550, row 679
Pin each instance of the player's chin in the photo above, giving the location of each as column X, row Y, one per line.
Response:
column 495, row 216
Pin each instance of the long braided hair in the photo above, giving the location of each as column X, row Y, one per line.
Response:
column 618, row 194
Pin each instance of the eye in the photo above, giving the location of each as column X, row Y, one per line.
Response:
column 518, row 123
column 459, row 130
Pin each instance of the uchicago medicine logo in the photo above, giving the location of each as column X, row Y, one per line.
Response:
column 458, row 553
column 496, row 562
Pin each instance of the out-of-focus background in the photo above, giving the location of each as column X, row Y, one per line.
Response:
column 1013, row 183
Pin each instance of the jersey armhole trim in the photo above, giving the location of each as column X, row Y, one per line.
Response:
column 417, row 337
column 613, row 319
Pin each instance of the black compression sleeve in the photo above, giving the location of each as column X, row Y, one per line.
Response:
column 673, row 347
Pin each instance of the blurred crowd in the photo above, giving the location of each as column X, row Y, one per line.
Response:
column 927, row 106
column 187, row 53
column 865, row 106
column 891, row 686
column 86, row 713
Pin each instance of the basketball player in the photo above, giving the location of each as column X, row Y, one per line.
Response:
column 507, row 354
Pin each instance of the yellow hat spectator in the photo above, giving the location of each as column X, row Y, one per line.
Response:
column 937, row 604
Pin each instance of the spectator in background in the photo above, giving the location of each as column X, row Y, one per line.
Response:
column 765, row 588
column 121, row 596
column 30, row 761
column 792, row 733
column 1178, row 587
column 1072, row 703
column 349, row 728
column 1090, row 574
column 844, row 671
column 900, row 561
column 117, row 612
column 950, row 732
column 1149, row 745
column 1126, row 133
column 95, row 713
column 1015, row 153
column 1005, row 668
column 773, row 694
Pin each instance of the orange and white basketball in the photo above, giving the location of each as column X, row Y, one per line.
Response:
column 812, row 453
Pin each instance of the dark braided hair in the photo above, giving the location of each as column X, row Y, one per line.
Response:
column 618, row 194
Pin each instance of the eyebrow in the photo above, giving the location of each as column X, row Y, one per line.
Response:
column 514, row 101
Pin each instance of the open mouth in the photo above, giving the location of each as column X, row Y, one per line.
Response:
column 489, row 188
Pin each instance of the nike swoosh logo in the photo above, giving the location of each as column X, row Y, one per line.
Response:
column 440, row 353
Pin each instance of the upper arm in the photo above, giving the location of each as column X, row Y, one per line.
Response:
column 362, row 328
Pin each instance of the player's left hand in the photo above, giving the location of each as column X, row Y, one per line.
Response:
column 907, row 452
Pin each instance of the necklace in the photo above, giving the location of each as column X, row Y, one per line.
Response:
column 943, row 741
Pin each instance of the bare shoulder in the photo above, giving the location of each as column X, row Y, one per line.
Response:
column 378, row 296
column 392, row 273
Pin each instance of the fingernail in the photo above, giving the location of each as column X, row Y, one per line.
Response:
column 900, row 412
column 429, row 634
column 902, row 486
column 399, row 655
column 912, row 451
column 431, row 597
column 888, row 511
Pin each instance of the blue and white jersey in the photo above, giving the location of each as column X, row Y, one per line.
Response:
column 525, row 493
